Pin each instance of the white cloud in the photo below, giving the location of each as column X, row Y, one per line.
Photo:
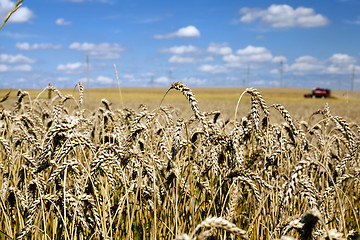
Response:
column 251, row 50
column 101, row 46
column 71, row 68
column 147, row 74
column 340, row 64
column 207, row 59
column 214, row 69
column 278, row 59
column 188, row 60
column 104, row 80
column 22, row 68
column 63, row 79
column 36, row 46
column 99, row 51
column 194, row 81
column 231, row 58
column 274, row 71
column 219, row 49
column 250, row 54
column 188, row 32
column 179, row 50
column 4, row 68
column 128, row 76
column 254, row 54
column 18, row 35
column 6, row 58
column 17, row 68
column 349, row 69
column 340, row 58
column 250, row 14
column 185, row 32
column 305, row 63
column 181, row 60
column 162, row 80
column 280, row 16
column 132, row 78
column 336, row 64
column 23, row 14
column 62, row 22
column 21, row 80
column 186, row 54
column 357, row 21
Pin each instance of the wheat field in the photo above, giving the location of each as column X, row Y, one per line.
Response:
column 73, row 172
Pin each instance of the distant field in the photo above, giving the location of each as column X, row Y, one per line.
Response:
column 343, row 103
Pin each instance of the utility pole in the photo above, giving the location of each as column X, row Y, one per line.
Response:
column 352, row 78
column 88, row 77
column 281, row 73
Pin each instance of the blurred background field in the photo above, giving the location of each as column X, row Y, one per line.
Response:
column 342, row 103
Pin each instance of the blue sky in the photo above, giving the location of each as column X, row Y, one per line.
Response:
column 198, row 42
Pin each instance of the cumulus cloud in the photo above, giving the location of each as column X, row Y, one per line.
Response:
column 194, row 81
column 22, row 68
column 340, row 64
column 251, row 50
column 6, row 58
column 17, row 68
column 18, row 35
column 133, row 79
column 250, row 54
column 182, row 60
column 336, row 64
column 219, row 49
column 147, row 74
column 357, row 21
column 281, row 16
column 23, row 14
column 188, row 60
column 71, row 68
column 162, row 80
column 274, row 71
column 278, row 59
column 186, row 54
column 62, row 22
column 184, row 49
column 339, row 58
column 63, row 79
column 214, row 69
column 184, row 32
column 306, row 63
column 104, row 80
column 91, row 46
column 106, row 51
column 37, row 46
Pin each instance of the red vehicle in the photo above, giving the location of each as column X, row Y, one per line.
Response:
column 319, row 93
